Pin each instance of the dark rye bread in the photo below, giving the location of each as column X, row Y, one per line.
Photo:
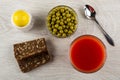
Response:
column 29, row 48
column 27, row 64
column 31, row 54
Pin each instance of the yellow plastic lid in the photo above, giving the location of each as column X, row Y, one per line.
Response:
column 21, row 18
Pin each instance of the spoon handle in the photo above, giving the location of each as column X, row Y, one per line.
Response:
column 109, row 39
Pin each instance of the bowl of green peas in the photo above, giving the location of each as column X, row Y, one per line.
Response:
column 62, row 21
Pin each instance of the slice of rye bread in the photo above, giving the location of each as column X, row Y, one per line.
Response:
column 29, row 48
column 31, row 54
column 28, row 64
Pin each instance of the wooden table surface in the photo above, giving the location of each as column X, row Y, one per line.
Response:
column 108, row 14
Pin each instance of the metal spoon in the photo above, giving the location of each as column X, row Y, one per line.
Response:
column 90, row 14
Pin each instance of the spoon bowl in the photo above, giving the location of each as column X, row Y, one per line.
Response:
column 89, row 12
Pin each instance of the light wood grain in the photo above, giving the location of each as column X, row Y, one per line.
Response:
column 108, row 14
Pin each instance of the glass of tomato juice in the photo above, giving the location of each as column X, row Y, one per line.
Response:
column 87, row 53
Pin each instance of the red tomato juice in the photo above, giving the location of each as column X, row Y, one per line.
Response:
column 87, row 53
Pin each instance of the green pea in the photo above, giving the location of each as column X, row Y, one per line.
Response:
column 68, row 15
column 65, row 30
column 48, row 18
column 60, row 17
column 67, row 11
column 61, row 20
column 56, row 26
column 72, row 21
column 53, row 19
column 64, row 35
column 57, row 18
column 61, row 23
column 67, row 27
column 63, row 26
column 48, row 24
column 52, row 23
column 63, row 14
column 58, row 35
column 50, row 28
column 74, row 28
column 55, row 30
column 53, row 16
column 53, row 26
column 64, row 18
column 68, row 19
column 54, row 10
column 65, row 8
column 60, row 27
column 71, row 27
column 58, row 21
column 62, row 10
column 69, row 32
column 72, row 24
column 52, row 13
column 57, row 14
column 73, row 18
column 61, row 31
column 58, row 8
column 72, row 13
column 65, row 22
column 75, row 22
column 69, row 24
column 53, row 33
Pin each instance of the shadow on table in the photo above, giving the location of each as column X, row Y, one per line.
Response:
column 39, row 24
column 51, row 48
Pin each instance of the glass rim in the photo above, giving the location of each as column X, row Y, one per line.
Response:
column 90, row 36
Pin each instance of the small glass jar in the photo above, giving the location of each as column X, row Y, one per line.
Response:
column 87, row 53
column 59, row 26
column 21, row 16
